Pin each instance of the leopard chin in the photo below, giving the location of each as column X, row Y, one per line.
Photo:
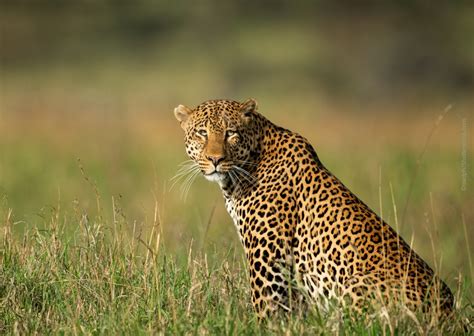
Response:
column 215, row 177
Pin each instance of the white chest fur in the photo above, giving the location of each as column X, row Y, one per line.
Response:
column 232, row 210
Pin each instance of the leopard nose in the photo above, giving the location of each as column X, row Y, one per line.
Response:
column 215, row 159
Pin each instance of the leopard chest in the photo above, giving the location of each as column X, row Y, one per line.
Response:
column 231, row 207
column 234, row 208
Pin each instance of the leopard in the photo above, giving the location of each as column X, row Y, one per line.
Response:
column 305, row 235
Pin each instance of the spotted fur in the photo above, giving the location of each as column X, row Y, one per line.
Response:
column 302, row 230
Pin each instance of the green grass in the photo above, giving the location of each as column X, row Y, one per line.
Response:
column 103, row 278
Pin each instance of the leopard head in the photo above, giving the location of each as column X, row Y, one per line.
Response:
column 220, row 136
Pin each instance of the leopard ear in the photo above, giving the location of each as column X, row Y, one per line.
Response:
column 182, row 113
column 249, row 107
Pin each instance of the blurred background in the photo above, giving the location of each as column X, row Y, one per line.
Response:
column 383, row 90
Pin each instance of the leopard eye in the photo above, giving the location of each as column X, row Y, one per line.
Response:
column 230, row 133
column 202, row 132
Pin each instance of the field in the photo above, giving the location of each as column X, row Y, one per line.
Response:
column 94, row 237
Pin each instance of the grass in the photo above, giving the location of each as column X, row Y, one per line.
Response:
column 104, row 278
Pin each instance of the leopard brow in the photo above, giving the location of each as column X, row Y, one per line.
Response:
column 215, row 127
column 229, row 124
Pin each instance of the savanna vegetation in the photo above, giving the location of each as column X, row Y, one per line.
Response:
column 94, row 237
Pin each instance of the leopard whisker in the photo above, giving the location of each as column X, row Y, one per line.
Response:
column 185, row 167
column 183, row 173
column 188, row 182
column 233, row 177
column 242, row 170
column 188, row 169
column 249, row 163
column 241, row 178
column 186, row 162
column 237, row 177
column 245, row 175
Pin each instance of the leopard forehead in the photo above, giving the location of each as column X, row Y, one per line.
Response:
column 217, row 114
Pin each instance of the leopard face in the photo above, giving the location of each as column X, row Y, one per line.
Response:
column 219, row 136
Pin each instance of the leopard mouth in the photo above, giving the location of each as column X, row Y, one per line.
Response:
column 216, row 174
column 220, row 170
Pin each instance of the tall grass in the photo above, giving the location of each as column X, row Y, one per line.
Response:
column 86, row 274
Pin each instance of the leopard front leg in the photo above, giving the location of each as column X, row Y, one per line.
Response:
column 270, row 269
column 266, row 233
